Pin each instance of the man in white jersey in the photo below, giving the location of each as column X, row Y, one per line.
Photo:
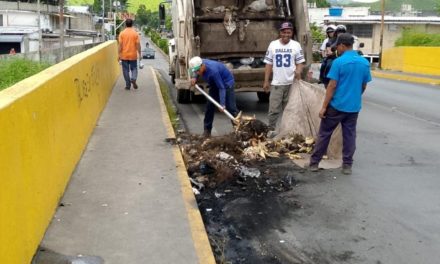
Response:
column 284, row 58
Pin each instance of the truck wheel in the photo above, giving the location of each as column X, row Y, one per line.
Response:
column 183, row 96
column 263, row 97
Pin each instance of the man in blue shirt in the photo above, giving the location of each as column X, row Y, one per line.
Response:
column 221, row 88
column 348, row 76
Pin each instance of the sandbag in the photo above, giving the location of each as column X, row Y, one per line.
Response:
column 301, row 115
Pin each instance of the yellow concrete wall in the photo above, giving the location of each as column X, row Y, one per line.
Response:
column 392, row 59
column 46, row 121
column 422, row 60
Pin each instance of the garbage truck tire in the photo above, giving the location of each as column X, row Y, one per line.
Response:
column 263, row 97
column 183, row 96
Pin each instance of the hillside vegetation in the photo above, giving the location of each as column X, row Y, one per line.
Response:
column 133, row 4
column 395, row 5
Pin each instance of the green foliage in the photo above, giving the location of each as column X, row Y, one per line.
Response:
column 151, row 5
column 168, row 22
column 437, row 7
column 414, row 38
column 171, row 109
column 97, row 7
column 142, row 15
column 317, row 35
column 320, row 3
column 157, row 39
column 15, row 69
column 395, row 5
column 163, row 45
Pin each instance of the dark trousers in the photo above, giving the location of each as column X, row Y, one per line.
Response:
column 327, row 126
column 127, row 67
column 210, row 107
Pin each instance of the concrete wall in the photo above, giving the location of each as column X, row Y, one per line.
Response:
column 47, row 120
column 17, row 5
column 391, row 33
column 52, row 56
column 422, row 60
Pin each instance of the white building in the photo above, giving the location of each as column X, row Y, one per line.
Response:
column 19, row 28
column 367, row 28
column 319, row 15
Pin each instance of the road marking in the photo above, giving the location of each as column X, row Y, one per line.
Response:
column 198, row 231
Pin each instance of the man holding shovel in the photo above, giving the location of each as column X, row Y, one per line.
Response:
column 221, row 88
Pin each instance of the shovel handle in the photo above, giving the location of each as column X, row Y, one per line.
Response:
column 215, row 103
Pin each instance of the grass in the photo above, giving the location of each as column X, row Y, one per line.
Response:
column 172, row 112
column 16, row 69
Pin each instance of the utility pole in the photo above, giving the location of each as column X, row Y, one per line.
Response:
column 61, row 30
column 103, row 10
column 40, row 37
column 381, row 33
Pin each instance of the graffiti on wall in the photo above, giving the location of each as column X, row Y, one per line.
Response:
column 84, row 86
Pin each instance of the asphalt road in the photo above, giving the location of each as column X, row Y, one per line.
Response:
column 388, row 211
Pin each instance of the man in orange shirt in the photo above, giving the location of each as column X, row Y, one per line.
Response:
column 129, row 48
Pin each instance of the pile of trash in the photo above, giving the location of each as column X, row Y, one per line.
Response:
column 237, row 156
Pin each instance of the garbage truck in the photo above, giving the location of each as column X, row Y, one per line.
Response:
column 235, row 32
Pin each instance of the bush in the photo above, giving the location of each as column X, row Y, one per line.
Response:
column 414, row 38
column 157, row 39
column 16, row 69
column 163, row 45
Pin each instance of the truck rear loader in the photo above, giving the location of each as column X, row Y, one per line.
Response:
column 235, row 32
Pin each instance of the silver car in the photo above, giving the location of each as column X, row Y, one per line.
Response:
column 148, row 53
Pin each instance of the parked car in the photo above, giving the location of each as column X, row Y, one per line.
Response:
column 148, row 53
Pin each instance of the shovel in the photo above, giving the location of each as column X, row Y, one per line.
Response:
column 236, row 120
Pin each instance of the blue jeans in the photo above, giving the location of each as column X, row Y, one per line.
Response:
column 210, row 107
column 348, row 123
column 127, row 66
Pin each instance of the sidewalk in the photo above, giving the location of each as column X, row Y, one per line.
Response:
column 129, row 200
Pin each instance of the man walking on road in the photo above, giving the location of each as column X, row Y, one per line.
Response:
column 284, row 58
column 221, row 88
column 348, row 76
column 129, row 49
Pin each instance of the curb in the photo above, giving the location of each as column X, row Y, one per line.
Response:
column 408, row 78
column 199, row 235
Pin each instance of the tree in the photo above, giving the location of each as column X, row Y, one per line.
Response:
column 320, row 3
column 437, row 7
column 97, row 7
column 142, row 15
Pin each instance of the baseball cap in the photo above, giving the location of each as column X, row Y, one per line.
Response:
column 286, row 25
column 195, row 63
column 344, row 38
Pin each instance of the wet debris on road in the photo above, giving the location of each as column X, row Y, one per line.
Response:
column 239, row 180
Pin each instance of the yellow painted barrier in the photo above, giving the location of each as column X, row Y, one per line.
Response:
column 46, row 121
column 420, row 60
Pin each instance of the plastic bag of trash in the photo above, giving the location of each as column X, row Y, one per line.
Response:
column 249, row 172
column 301, row 115
column 258, row 6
